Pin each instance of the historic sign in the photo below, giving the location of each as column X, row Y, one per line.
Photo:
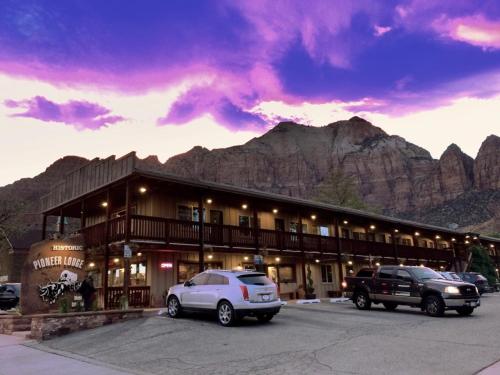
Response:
column 53, row 269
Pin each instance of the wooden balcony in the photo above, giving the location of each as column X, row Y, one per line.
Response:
column 171, row 231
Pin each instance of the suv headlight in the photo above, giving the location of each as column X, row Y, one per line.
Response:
column 477, row 290
column 451, row 290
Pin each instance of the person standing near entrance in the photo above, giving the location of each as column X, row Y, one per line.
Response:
column 87, row 291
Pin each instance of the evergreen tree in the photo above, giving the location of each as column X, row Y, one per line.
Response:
column 482, row 263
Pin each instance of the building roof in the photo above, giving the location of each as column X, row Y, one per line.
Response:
column 111, row 170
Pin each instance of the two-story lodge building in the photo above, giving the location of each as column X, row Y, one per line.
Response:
column 177, row 227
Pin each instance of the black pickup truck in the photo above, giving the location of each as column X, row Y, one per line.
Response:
column 412, row 286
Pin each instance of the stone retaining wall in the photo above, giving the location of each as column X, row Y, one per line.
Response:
column 14, row 323
column 47, row 326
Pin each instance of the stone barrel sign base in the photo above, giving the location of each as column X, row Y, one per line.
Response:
column 53, row 269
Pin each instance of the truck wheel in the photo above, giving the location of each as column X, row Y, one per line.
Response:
column 465, row 310
column 391, row 306
column 434, row 306
column 362, row 301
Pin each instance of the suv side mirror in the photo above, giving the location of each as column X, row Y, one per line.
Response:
column 187, row 283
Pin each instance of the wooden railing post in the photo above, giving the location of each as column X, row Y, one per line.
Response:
column 167, row 231
column 201, row 235
column 126, row 260
column 339, row 252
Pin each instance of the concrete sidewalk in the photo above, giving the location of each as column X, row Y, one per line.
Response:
column 494, row 369
column 19, row 359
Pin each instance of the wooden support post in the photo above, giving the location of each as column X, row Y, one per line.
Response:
column 106, row 252
column 201, row 235
column 256, row 232
column 61, row 221
column 339, row 252
column 395, row 245
column 126, row 260
column 301, row 248
column 44, row 227
column 415, row 241
column 82, row 215
column 256, row 228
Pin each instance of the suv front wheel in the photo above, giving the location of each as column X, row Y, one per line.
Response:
column 174, row 307
column 225, row 314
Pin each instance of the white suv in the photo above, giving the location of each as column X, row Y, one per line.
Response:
column 232, row 294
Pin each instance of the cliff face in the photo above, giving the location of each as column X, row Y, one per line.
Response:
column 391, row 174
column 293, row 159
column 487, row 165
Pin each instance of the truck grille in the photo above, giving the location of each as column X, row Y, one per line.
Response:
column 468, row 291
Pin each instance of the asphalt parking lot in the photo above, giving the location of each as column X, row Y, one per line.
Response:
column 303, row 339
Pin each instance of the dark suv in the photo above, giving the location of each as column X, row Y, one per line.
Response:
column 9, row 296
column 478, row 280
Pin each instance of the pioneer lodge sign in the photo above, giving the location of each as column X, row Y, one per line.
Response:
column 58, row 261
column 53, row 269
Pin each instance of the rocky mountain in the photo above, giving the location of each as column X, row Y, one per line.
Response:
column 20, row 201
column 390, row 174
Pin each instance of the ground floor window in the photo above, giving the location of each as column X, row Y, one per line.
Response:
column 326, row 273
column 116, row 274
column 286, row 274
column 138, row 274
column 187, row 270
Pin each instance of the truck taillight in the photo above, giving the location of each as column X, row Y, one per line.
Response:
column 244, row 291
column 344, row 284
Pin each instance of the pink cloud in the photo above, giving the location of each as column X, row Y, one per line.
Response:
column 475, row 30
column 79, row 114
column 381, row 30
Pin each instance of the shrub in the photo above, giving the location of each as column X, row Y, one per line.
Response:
column 482, row 263
column 63, row 305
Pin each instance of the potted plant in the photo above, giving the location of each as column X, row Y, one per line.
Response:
column 309, row 284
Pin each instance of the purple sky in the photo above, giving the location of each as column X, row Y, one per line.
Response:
column 161, row 76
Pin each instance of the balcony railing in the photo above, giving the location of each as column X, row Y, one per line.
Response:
column 170, row 231
column 138, row 296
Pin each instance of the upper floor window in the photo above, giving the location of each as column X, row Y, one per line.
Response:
column 196, row 216
column 323, row 231
column 358, row 235
column 184, row 213
column 406, row 241
column 244, row 221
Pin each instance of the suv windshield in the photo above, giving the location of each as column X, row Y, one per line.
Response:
column 255, row 279
column 424, row 273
